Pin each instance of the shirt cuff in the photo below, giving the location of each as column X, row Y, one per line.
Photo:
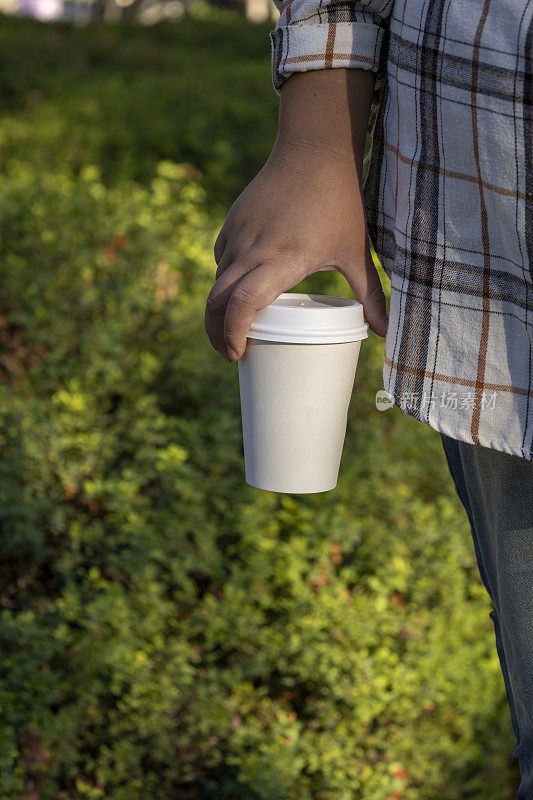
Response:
column 300, row 48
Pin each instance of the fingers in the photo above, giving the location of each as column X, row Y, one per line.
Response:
column 225, row 261
column 234, row 299
column 217, row 301
column 220, row 246
column 260, row 287
column 249, row 281
column 367, row 288
column 229, row 245
column 375, row 309
column 219, row 296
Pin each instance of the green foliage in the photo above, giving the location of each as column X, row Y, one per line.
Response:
column 166, row 631
column 126, row 97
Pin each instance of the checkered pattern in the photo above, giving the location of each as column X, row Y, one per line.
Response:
column 449, row 197
column 311, row 35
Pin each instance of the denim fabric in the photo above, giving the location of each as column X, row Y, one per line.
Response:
column 496, row 490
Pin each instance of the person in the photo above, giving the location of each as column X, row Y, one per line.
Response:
column 445, row 87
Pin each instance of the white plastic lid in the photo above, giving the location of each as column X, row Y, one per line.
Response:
column 310, row 319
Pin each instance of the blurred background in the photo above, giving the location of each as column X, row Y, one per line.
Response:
column 146, row 12
column 166, row 631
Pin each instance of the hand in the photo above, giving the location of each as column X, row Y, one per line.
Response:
column 301, row 214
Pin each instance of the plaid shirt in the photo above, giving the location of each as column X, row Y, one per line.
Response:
column 448, row 191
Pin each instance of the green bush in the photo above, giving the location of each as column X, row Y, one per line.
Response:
column 126, row 98
column 166, row 631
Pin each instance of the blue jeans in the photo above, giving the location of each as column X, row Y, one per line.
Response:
column 496, row 490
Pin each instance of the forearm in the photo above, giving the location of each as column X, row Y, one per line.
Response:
column 327, row 110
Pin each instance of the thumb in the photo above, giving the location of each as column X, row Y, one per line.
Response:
column 366, row 286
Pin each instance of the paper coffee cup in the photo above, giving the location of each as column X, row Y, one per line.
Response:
column 296, row 378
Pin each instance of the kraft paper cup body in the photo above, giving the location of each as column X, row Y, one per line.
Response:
column 295, row 395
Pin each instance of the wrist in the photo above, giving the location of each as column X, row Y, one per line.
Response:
column 312, row 144
column 326, row 110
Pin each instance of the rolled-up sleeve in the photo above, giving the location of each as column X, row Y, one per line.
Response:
column 312, row 35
